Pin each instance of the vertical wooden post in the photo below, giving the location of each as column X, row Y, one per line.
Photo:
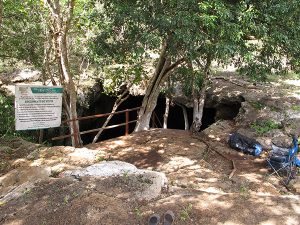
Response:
column 76, row 132
column 127, row 120
column 41, row 136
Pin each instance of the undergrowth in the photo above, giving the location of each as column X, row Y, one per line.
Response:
column 263, row 127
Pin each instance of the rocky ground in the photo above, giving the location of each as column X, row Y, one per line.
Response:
column 207, row 182
column 199, row 189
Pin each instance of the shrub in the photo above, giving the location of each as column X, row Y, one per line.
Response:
column 264, row 126
column 7, row 118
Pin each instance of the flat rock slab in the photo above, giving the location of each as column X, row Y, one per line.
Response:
column 104, row 169
column 150, row 183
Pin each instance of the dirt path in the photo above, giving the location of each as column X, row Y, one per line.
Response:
column 200, row 191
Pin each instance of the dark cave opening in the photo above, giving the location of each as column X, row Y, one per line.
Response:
column 104, row 104
column 97, row 108
column 208, row 117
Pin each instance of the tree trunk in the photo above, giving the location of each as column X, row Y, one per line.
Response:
column 150, row 100
column 118, row 102
column 1, row 12
column 199, row 98
column 61, row 28
column 162, row 71
column 185, row 116
column 199, row 101
column 152, row 92
column 166, row 115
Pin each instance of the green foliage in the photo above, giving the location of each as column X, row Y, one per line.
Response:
column 138, row 212
column 185, row 76
column 189, row 79
column 54, row 173
column 116, row 76
column 7, row 121
column 22, row 32
column 264, row 126
column 258, row 105
column 67, row 199
column 132, row 32
column 245, row 191
column 185, row 212
column 296, row 107
column 100, row 158
column 275, row 26
column 4, row 164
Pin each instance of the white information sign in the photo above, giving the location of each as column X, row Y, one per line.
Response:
column 37, row 107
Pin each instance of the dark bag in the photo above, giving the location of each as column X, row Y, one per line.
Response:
column 244, row 144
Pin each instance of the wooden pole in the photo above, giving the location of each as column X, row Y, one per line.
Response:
column 127, row 120
column 76, row 141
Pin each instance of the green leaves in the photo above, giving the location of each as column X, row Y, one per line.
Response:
column 21, row 32
column 6, row 115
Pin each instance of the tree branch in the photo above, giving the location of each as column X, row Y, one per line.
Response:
column 174, row 65
column 1, row 12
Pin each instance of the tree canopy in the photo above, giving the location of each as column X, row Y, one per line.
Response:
column 138, row 41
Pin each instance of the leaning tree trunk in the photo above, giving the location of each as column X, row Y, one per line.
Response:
column 150, row 99
column 162, row 71
column 117, row 103
column 152, row 92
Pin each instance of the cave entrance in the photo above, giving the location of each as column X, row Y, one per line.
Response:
column 211, row 114
column 223, row 111
column 208, row 117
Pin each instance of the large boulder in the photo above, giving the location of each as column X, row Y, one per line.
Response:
column 147, row 184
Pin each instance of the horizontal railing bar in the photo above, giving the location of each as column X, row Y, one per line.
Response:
column 91, row 131
column 100, row 115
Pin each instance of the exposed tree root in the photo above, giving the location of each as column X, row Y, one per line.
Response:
column 219, row 153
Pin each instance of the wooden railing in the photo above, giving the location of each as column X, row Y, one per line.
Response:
column 126, row 124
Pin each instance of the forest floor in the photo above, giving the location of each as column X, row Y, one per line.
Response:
column 198, row 168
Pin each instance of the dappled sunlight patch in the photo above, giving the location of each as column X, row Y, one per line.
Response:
column 279, row 210
column 213, row 190
column 161, row 151
column 229, row 223
column 292, row 220
column 127, row 149
column 116, row 143
column 211, row 199
column 269, row 222
column 296, row 207
column 37, row 162
column 20, row 163
column 83, row 153
column 212, row 136
column 178, row 162
column 15, row 222
column 206, row 180
column 252, row 177
column 292, row 82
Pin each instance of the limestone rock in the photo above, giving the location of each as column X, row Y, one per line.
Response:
column 102, row 169
column 150, row 183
